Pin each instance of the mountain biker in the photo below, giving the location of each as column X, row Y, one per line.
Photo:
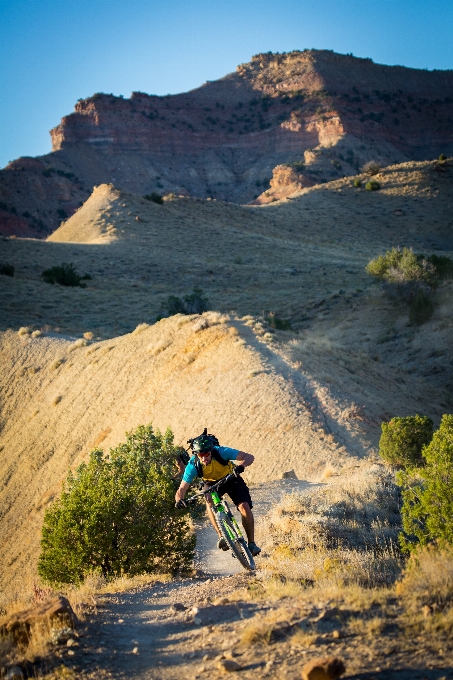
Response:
column 211, row 462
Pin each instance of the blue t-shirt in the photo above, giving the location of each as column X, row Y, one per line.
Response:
column 191, row 471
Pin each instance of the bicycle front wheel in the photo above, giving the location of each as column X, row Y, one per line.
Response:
column 238, row 546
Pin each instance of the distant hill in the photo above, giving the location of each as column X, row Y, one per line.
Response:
column 324, row 112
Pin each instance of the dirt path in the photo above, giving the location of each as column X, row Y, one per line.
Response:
column 213, row 561
column 142, row 635
column 185, row 629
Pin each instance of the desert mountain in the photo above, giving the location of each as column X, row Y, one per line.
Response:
column 322, row 113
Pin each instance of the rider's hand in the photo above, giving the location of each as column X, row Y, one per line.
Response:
column 180, row 504
column 238, row 470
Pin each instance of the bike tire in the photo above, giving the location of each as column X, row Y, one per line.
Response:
column 239, row 547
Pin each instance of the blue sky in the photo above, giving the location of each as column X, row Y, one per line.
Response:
column 52, row 52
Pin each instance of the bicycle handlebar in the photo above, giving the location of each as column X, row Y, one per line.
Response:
column 192, row 499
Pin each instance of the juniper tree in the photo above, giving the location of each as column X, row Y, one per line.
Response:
column 116, row 514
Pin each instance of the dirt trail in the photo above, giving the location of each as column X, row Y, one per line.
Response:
column 213, row 561
column 187, row 628
column 164, row 637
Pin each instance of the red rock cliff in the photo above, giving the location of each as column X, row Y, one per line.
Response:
column 332, row 112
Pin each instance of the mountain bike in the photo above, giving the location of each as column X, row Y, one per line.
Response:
column 227, row 524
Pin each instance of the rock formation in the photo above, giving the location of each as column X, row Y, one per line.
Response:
column 327, row 112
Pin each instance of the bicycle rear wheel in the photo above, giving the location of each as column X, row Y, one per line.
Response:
column 238, row 546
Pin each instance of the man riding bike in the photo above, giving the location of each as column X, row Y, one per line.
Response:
column 211, row 462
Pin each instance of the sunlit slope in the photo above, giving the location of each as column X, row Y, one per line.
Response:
column 63, row 400
column 281, row 257
column 294, row 403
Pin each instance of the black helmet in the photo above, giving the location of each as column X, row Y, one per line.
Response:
column 204, row 442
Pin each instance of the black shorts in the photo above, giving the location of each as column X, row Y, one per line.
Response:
column 237, row 490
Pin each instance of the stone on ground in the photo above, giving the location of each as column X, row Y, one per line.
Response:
column 323, row 668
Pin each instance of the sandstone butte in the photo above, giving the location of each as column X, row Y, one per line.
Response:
column 298, row 119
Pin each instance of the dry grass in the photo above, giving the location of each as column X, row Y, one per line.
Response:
column 140, row 328
column 428, row 578
column 81, row 342
column 328, row 471
column 261, row 630
column 426, row 590
column 345, row 533
column 156, row 348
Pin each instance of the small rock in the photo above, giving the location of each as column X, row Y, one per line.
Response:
column 323, row 668
column 71, row 652
column 290, row 474
column 71, row 643
column 427, row 611
column 337, row 634
column 120, row 620
column 208, row 657
column 230, row 654
column 135, row 650
column 14, row 673
column 197, row 620
column 178, row 607
column 228, row 666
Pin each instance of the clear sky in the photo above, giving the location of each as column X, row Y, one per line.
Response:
column 53, row 52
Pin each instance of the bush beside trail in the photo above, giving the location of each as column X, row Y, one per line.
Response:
column 116, row 515
column 427, row 511
column 403, row 439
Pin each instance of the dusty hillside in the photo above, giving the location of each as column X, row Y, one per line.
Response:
column 297, row 399
column 285, row 257
column 62, row 398
column 328, row 112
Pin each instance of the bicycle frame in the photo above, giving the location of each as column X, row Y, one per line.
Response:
column 226, row 523
column 220, row 505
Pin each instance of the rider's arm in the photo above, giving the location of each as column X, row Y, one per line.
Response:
column 181, row 492
column 244, row 459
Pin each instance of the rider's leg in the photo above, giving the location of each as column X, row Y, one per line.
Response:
column 211, row 517
column 248, row 521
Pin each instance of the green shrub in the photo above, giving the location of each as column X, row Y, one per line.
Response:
column 427, row 510
column 6, row 269
column 422, row 308
column 276, row 322
column 64, row 274
column 154, row 197
column 357, row 183
column 116, row 515
column 298, row 166
column 195, row 303
column 372, row 185
column 403, row 439
column 442, row 157
column 403, row 266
